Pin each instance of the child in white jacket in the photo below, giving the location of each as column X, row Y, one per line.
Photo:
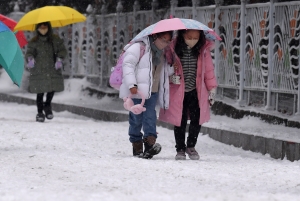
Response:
column 149, row 75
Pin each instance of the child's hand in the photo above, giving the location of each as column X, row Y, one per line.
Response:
column 211, row 97
column 133, row 90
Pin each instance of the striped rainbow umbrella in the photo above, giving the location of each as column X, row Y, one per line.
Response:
column 177, row 24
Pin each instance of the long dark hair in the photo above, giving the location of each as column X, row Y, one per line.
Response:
column 49, row 34
column 180, row 44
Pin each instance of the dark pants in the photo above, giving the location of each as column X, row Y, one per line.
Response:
column 191, row 107
column 40, row 103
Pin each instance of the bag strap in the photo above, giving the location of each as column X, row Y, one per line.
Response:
column 142, row 49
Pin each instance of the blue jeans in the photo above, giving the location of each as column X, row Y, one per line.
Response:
column 146, row 119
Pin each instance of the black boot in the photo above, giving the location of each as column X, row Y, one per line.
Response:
column 48, row 111
column 40, row 117
column 151, row 148
column 137, row 148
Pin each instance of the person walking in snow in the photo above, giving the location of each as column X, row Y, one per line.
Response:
column 44, row 56
column 192, row 89
column 150, row 76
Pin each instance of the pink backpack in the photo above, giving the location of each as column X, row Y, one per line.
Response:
column 115, row 79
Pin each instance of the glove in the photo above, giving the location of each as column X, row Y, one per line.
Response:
column 212, row 95
column 30, row 62
column 58, row 63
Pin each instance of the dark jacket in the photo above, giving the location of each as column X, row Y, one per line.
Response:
column 43, row 76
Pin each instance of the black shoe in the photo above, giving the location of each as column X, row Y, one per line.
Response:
column 151, row 148
column 40, row 117
column 137, row 149
column 48, row 111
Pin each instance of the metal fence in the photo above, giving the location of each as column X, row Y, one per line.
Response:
column 257, row 61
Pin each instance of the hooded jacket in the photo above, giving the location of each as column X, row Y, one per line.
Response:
column 139, row 72
column 43, row 76
column 205, row 81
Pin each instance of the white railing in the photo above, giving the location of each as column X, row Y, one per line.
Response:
column 266, row 74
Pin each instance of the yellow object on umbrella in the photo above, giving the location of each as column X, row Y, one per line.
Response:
column 58, row 16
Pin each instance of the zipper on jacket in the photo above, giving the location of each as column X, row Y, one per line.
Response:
column 164, row 100
column 150, row 72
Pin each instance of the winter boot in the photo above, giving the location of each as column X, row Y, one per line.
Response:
column 40, row 117
column 151, row 148
column 180, row 155
column 48, row 111
column 137, row 148
column 192, row 153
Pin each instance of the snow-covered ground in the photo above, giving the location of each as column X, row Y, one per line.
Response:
column 76, row 158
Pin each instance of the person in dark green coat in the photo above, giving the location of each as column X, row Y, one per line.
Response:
column 44, row 55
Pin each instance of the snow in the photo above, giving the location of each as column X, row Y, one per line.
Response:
column 254, row 126
column 74, row 158
column 72, row 94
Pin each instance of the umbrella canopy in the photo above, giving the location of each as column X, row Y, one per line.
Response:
column 177, row 24
column 11, row 57
column 58, row 16
column 10, row 23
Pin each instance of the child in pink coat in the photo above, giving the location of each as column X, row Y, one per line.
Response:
column 192, row 89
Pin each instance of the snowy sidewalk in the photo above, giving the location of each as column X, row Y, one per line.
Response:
column 74, row 158
column 250, row 133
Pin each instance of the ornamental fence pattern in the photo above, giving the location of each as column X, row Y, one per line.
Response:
column 256, row 63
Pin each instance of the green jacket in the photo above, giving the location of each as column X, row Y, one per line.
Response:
column 43, row 76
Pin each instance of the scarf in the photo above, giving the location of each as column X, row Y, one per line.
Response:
column 156, row 53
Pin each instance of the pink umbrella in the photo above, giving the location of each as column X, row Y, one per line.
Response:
column 177, row 24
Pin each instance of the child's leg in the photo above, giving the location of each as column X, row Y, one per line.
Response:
column 135, row 135
column 150, row 118
column 47, row 105
column 40, row 117
column 49, row 98
column 39, row 102
column 149, row 126
column 194, row 112
column 135, row 125
column 179, row 131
